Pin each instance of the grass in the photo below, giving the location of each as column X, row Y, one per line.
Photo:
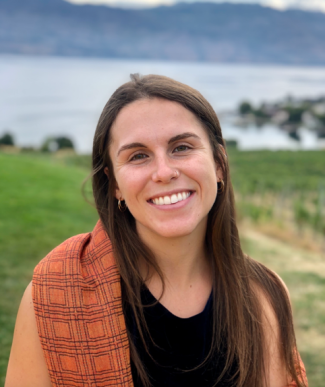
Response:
column 268, row 171
column 42, row 205
column 284, row 188
column 304, row 274
column 283, row 194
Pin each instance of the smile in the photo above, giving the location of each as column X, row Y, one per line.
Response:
column 172, row 199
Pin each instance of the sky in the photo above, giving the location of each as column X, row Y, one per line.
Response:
column 313, row 5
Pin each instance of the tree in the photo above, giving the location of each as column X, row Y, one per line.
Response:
column 295, row 114
column 245, row 108
column 53, row 144
column 7, row 139
column 64, row 142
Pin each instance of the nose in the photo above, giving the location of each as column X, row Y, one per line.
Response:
column 164, row 172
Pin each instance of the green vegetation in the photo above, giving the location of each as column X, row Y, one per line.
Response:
column 53, row 144
column 289, row 114
column 245, row 108
column 304, row 275
column 286, row 191
column 7, row 139
column 42, row 205
column 255, row 171
column 283, row 187
column 295, row 114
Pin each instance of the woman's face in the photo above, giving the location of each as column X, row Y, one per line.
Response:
column 164, row 167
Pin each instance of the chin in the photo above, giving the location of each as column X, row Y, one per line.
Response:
column 167, row 230
column 174, row 234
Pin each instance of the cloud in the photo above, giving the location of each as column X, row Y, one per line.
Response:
column 318, row 5
column 302, row 4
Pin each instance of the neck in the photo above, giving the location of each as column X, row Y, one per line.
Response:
column 186, row 271
column 182, row 260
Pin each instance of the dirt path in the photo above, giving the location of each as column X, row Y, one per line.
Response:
column 279, row 255
column 308, row 296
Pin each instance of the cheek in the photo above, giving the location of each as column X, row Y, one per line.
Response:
column 131, row 183
column 204, row 171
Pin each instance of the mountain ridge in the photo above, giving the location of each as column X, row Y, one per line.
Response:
column 223, row 32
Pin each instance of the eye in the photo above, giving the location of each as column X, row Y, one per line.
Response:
column 138, row 156
column 181, row 148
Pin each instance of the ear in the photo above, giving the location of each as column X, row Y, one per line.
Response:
column 218, row 167
column 219, row 173
column 118, row 193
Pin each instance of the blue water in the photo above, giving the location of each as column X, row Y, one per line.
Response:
column 46, row 96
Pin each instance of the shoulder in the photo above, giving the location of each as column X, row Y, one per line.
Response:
column 79, row 250
column 69, row 249
column 80, row 266
column 271, row 292
column 27, row 366
column 266, row 282
column 266, row 299
column 274, row 304
column 276, row 280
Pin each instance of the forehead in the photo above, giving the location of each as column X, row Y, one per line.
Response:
column 153, row 119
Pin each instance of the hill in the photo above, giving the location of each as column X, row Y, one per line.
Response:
column 242, row 33
column 42, row 205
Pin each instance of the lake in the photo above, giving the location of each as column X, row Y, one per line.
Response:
column 51, row 96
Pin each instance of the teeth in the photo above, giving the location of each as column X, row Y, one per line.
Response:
column 174, row 199
column 167, row 200
column 171, row 199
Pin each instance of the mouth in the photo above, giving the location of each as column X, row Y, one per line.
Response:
column 170, row 199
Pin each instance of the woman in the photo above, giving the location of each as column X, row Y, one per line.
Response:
column 169, row 299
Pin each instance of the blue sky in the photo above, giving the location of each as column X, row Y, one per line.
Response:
column 279, row 4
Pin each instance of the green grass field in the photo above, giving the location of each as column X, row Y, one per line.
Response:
column 41, row 205
column 274, row 171
column 284, row 189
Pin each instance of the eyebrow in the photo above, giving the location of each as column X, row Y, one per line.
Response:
column 130, row 146
column 183, row 136
column 179, row 137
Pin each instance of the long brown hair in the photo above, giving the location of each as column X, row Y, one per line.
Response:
column 237, row 311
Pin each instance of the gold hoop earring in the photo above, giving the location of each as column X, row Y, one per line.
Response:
column 222, row 188
column 120, row 206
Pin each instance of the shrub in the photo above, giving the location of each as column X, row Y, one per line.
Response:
column 7, row 139
column 301, row 213
column 295, row 114
column 245, row 108
column 55, row 143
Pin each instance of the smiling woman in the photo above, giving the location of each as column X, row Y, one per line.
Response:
column 160, row 293
column 159, row 150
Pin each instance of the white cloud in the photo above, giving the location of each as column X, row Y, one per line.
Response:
column 302, row 4
column 318, row 5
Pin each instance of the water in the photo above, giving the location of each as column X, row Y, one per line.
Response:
column 50, row 96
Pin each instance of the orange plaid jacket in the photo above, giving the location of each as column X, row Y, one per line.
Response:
column 80, row 321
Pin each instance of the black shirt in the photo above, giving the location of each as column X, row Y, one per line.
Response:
column 181, row 344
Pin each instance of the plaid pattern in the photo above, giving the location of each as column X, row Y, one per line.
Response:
column 78, row 308
column 80, row 321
